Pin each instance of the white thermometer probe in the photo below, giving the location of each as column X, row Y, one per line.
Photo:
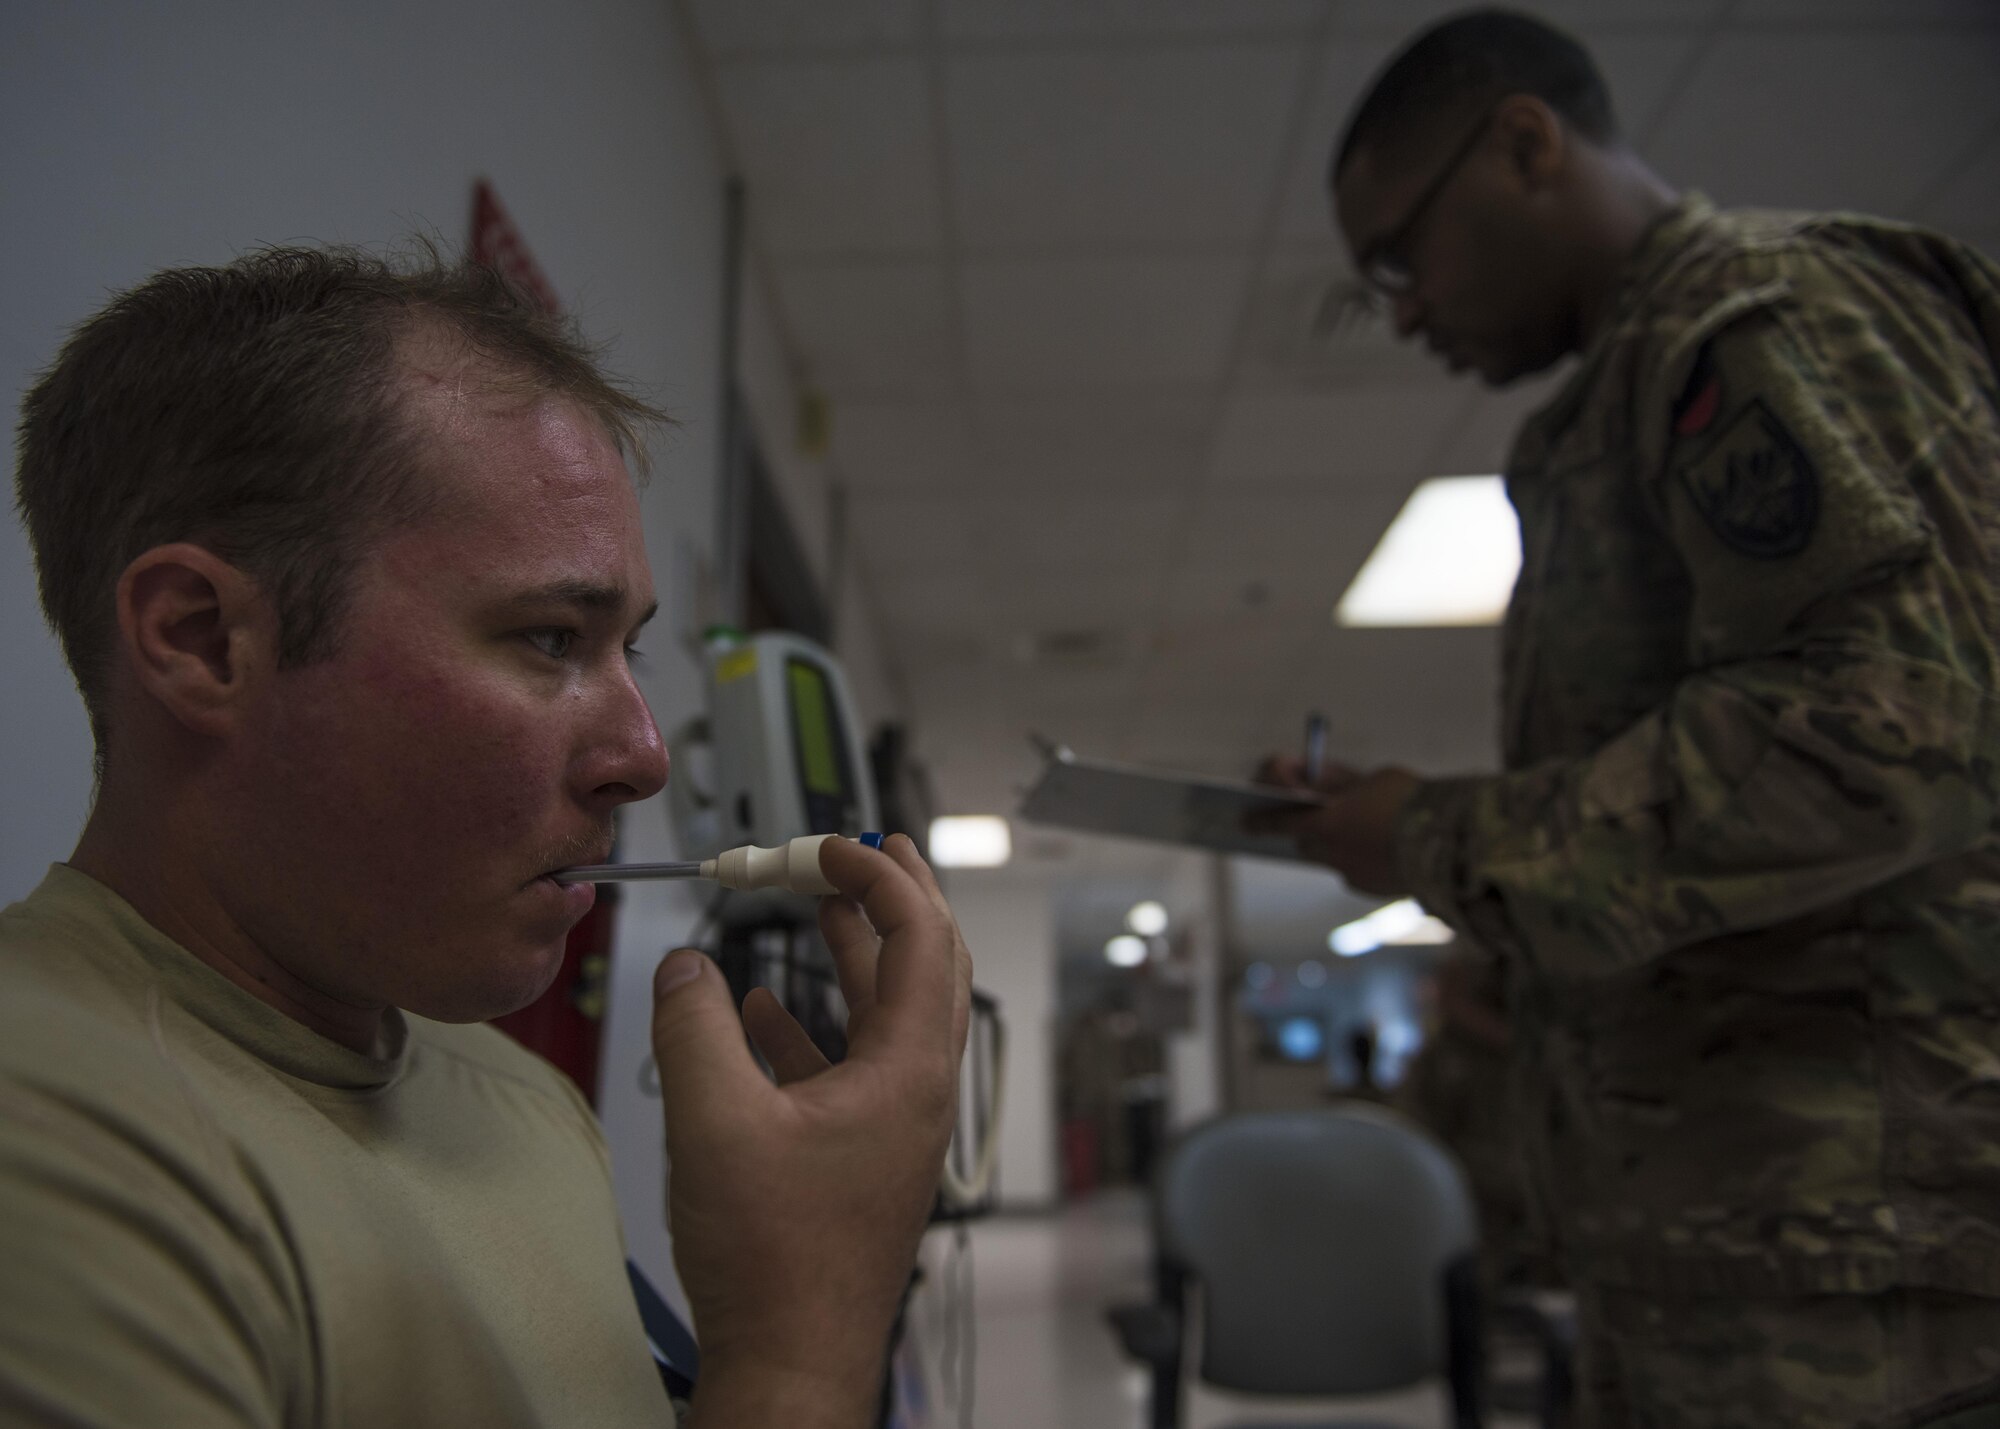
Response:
column 793, row 867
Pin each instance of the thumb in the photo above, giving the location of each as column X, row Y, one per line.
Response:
column 698, row 1044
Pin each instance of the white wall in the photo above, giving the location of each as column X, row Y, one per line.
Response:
column 139, row 136
column 1009, row 924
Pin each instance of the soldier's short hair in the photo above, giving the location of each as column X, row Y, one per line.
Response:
column 255, row 409
column 1464, row 65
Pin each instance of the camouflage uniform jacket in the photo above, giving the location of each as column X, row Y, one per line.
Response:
column 1744, row 857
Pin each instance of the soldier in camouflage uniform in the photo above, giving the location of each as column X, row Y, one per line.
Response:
column 1743, row 861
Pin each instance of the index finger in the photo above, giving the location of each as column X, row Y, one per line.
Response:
column 915, row 971
column 1285, row 770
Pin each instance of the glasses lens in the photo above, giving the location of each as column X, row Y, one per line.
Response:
column 1389, row 275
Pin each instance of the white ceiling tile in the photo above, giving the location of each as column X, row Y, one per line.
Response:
column 1349, row 64
column 1145, row 442
column 1150, row 443
column 903, row 446
column 1206, row 584
column 1866, row 12
column 1335, row 441
column 838, row 153
column 1198, row 659
column 895, row 531
column 963, row 693
column 1410, row 16
column 1310, row 533
column 1039, row 691
column 945, row 653
column 1972, row 200
column 1853, row 120
column 729, row 26
column 1640, row 70
column 915, row 597
column 1081, row 528
column 872, row 329
column 1061, row 324
column 1036, row 594
column 1117, row 146
column 1045, row 19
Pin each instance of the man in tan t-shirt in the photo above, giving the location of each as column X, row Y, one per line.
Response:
column 348, row 564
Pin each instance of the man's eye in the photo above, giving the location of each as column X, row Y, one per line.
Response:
column 553, row 643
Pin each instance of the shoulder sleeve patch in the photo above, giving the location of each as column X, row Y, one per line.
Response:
column 1753, row 483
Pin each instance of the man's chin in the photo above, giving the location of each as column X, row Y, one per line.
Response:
column 502, row 986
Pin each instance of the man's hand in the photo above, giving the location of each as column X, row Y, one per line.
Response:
column 796, row 1209
column 1353, row 831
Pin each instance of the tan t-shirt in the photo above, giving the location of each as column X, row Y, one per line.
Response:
column 210, row 1215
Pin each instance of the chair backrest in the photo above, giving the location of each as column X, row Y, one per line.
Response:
column 1320, row 1240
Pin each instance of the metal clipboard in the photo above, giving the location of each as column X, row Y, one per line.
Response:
column 1134, row 802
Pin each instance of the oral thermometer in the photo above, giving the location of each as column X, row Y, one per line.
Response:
column 793, row 866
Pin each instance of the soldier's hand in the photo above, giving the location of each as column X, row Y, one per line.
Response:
column 796, row 1208
column 1288, row 771
column 1353, row 831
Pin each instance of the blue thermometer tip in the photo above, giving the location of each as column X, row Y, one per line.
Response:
column 872, row 840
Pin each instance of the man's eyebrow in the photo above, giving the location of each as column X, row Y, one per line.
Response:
column 596, row 597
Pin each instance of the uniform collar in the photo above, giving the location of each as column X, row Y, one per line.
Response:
column 1663, row 241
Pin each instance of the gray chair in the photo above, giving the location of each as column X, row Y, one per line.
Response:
column 1334, row 1255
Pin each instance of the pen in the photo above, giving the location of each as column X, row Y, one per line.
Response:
column 1315, row 747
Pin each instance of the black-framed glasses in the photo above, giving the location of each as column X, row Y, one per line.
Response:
column 1386, row 268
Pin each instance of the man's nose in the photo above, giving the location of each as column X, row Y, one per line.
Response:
column 630, row 763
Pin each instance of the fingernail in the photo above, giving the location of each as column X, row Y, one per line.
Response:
column 677, row 971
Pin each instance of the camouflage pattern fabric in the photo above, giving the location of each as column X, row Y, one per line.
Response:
column 1458, row 1087
column 1744, row 863
column 1807, row 1362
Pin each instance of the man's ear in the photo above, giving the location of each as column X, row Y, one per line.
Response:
column 199, row 633
column 1536, row 142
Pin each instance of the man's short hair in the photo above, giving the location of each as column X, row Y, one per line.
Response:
column 1463, row 66
column 255, row 409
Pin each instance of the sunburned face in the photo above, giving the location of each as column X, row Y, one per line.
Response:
column 475, row 729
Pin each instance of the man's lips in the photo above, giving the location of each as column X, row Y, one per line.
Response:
column 598, row 853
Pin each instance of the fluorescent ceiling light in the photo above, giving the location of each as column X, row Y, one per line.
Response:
column 1400, row 923
column 1148, row 919
column 1449, row 558
column 970, row 841
column 1127, row 950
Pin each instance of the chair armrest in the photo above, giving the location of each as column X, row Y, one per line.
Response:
column 1150, row 1333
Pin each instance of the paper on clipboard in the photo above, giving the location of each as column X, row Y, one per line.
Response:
column 1155, row 804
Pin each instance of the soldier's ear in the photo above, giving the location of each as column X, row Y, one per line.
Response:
column 1532, row 137
column 198, row 634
